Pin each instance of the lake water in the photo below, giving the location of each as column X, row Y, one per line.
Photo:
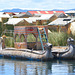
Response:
column 22, row 67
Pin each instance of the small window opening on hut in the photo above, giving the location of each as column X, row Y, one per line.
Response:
column 17, row 38
column 31, row 41
column 31, row 38
column 22, row 38
column 66, row 19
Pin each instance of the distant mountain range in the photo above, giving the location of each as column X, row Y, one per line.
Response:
column 16, row 10
column 63, row 10
column 25, row 10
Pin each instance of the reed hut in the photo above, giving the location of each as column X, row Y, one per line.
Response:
column 24, row 31
column 61, row 24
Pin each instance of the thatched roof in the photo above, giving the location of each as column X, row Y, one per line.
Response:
column 60, row 15
column 4, row 16
column 14, row 21
column 62, row 21
column 21, row 15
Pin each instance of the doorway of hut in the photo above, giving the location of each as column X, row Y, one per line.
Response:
column 31, row 41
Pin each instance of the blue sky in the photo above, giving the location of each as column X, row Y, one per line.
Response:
column 37, row 4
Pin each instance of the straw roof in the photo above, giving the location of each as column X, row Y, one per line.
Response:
column 4, row 16
column 14, row 21
column 62, row 21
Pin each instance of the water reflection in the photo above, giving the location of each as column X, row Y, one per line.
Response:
column 18, row 67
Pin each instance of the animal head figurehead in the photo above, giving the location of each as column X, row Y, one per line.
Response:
column 70, row 41
column 48, row 46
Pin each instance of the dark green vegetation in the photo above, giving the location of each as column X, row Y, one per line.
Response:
column 9, row 42
column 4, row 27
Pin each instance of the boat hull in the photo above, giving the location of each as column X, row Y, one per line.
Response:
column 25, row 54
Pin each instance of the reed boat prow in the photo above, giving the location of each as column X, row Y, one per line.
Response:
column 68, row 53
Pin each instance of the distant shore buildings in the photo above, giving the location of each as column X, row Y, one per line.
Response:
column 56, row 20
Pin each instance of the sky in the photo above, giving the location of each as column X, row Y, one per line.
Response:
column 37, row 4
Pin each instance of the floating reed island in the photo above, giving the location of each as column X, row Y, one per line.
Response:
column 38, row 50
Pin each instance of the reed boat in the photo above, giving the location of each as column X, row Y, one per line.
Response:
column 28, row 54
column 28, row 50
column 68, row 53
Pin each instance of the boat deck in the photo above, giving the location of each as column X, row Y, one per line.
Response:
column 59, row 48
column 22, row 50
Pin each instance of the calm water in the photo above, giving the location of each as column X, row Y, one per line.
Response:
column 18, row 67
